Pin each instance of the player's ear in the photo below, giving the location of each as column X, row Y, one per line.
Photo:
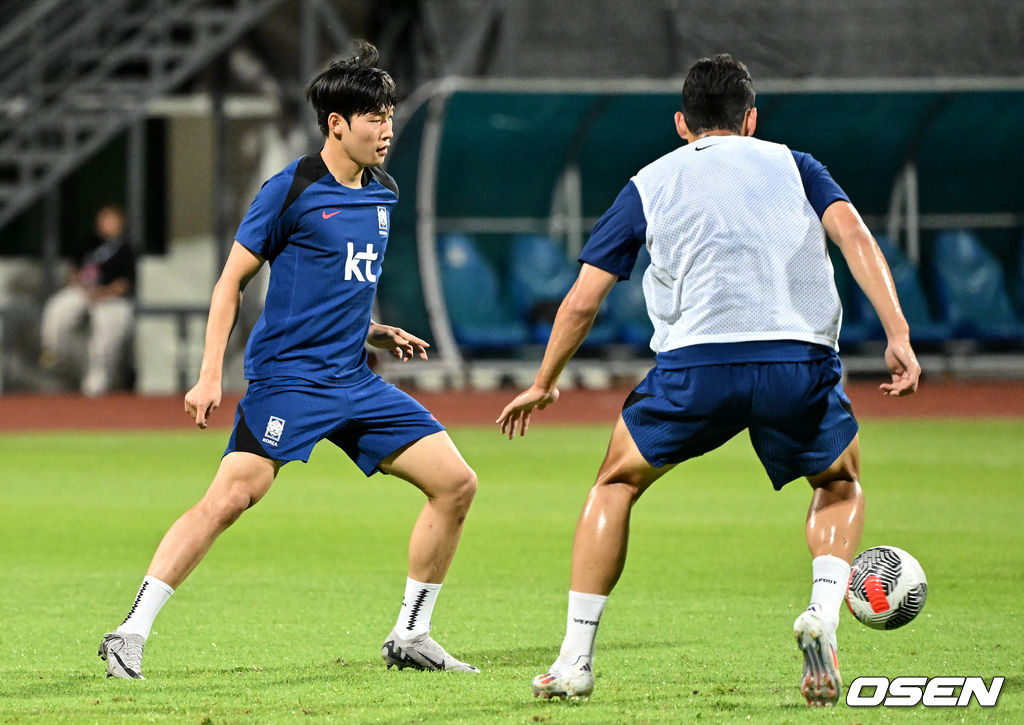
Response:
column 337, row 124
column 681, row 129
column 749, row 122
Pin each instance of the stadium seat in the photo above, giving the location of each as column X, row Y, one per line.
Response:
column 970, row 290
column 854, row 330
column 540, row 275
column 1020, row 279
column 480, row 318
column 924, row 328
column 627, row 307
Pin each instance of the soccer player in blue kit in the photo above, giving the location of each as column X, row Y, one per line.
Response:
column 746, row 315
column 322, row 224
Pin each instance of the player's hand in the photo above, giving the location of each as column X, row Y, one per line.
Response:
column 905, row 370
column 518, row 412
column 403, row 345
column 202, row 400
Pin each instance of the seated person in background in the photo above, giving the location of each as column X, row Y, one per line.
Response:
column 101, row 291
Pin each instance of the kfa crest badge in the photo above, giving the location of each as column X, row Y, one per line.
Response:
column 275, row 427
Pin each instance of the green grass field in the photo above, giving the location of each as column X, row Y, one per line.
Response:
column 284, row 619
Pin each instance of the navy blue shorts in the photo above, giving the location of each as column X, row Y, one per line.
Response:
column 798, row 415
column 283, row 420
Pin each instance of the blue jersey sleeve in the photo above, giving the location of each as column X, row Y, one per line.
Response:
column 618, row 235
column 259, row 231
column 820, row 188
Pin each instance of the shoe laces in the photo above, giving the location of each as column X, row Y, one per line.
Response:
column 128, row 647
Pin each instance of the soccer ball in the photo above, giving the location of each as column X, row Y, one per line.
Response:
column 887, row 587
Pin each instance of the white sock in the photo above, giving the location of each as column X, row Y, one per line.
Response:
column 153, row 594
column 417, row 608
column 581, row 625
column 830, row 576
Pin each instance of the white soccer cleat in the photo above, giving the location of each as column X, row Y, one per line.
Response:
column 420, row 653
column 562, row 680
column 821, row 684
column 123, row 653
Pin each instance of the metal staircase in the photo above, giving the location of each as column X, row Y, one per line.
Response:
column 75, row 73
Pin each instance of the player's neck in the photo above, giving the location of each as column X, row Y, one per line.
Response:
column 344, row 170
column 692, row 138
column 717, row 132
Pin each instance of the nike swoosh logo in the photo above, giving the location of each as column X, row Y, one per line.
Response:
column 328, row 216
column 438, row 665
column 134, row 675
column 701, row 148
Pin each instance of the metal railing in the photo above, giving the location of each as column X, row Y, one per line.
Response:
column 75, row 73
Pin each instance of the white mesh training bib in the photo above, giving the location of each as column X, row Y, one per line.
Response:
column 737, row 251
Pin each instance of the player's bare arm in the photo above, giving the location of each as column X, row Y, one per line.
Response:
column 869, row 268
column 240, row 267
column 403, row 345
column 572, row 324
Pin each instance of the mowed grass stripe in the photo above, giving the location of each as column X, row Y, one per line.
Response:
column 284, row 620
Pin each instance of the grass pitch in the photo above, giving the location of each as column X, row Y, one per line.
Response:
column 284, row 620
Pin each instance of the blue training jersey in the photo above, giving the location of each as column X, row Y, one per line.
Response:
column 325, row 243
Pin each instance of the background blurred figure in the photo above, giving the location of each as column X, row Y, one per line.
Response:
column 100, row 293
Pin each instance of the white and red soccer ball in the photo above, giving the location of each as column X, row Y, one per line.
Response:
column 887, row 587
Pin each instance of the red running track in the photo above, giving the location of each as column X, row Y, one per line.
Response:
column 138, row 412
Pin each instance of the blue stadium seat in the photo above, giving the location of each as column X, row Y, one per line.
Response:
column 1020, row 279
column 923, row 326
column 855, row 328
column 540, row 275
column 480, row 318
column 627, row 307
column 970, row 290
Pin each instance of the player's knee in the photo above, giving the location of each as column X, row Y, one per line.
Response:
column 611, row 485
column 844, row 472
column 464, row 489
column 621, row 481
column 225, row 507
column 841, row 479
column 457, row 493
column 842, row 488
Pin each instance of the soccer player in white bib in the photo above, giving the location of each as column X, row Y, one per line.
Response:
column 746, row 321
column 322, row 224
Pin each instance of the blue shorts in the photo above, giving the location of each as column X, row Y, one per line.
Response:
column 799, row 418
column 284, row 419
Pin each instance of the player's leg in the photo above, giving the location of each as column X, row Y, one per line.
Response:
column 835, row 520
column 802, row 425
column 598, row 558
column 602, row 532
column 434, row 465
column 241, row 480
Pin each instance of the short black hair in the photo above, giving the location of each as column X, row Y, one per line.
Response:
column 351, row 87
column 717, row 93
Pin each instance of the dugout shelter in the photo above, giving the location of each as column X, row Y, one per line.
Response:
column 491, row 159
